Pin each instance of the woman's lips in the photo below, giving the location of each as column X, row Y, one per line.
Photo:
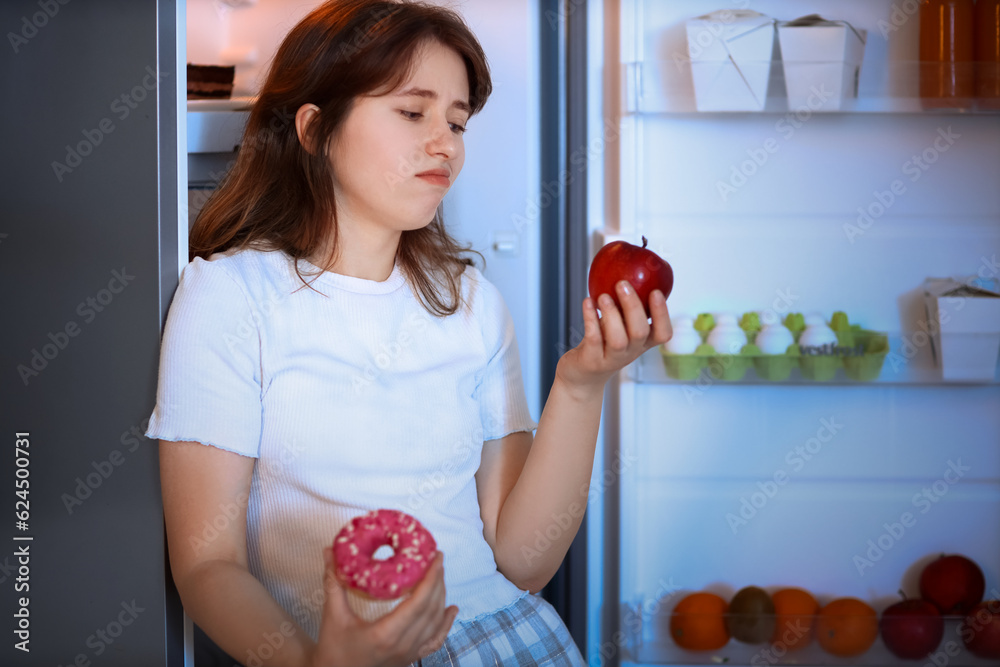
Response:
column 437, row 177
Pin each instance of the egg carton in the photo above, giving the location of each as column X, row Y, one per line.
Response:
column 727, row 349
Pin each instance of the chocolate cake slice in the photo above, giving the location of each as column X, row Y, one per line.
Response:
column 209, row 81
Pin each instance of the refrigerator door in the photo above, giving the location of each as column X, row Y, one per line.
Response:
column 89, row 253
column 845, row 487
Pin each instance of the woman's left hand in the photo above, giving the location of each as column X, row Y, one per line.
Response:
column 616, row 338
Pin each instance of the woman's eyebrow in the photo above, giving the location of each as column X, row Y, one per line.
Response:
column 431, row 95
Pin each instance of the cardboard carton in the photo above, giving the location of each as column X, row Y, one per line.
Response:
column 964, row 321
column 731, row 53
column 822, row 62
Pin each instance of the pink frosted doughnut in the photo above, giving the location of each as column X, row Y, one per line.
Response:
column 356, row 543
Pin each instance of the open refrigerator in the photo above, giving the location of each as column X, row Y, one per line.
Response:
column 844, row 487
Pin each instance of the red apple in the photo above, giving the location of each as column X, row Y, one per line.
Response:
column 642, row 268
column 912, row 629
column 954, row 583
column 980, row 630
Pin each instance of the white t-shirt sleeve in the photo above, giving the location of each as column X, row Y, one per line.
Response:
column 503, row 406
column 209, row 387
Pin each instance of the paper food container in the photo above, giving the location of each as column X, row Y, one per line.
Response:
column 964, row 321
column 822, row 62
column 731, row 53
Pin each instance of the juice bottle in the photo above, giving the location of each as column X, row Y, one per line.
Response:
column 988, row 53
column 947, row 54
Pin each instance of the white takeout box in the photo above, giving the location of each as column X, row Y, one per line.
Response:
column 965, row 329
column 731, row 52
column 822, row 62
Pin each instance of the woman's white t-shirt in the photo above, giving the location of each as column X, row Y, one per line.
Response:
column 351, row 397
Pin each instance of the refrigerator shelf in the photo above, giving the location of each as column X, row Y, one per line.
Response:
column 660, row 650
column 668, row 87
column 908, row 362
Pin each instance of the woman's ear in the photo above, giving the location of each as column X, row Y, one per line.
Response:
column 306, row 114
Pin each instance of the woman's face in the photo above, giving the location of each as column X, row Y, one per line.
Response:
column 398, row 154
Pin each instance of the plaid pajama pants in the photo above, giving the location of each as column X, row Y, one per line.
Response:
column 527, row 632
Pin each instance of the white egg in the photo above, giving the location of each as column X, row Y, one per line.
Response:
column 724, row 319
column 727, row 339
column 815, row 319
column 767, row 317
column 818, row 335
column 684, row 341
column 681, row 323
column 774, row 339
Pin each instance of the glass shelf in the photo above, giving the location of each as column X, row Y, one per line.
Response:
column 648, row 642
column 668, row 87
column 906, row 363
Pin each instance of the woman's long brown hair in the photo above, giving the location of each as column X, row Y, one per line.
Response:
column 279, row 196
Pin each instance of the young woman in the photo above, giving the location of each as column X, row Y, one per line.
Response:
column 389, row 379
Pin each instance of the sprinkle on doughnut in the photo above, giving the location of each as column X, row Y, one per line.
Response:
column 356, row 543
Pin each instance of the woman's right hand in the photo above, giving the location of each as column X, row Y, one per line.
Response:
column 416, row 628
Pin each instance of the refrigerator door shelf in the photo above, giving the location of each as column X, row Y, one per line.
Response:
column 216, row 126
column 910, row 361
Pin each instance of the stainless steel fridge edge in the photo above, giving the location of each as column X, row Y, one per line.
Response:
column 173, row 234
column 564, row 242
column 89, row 254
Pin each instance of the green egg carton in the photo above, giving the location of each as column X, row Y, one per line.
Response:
column 750, row 323
column 861, row 353
column 682, row 366
column 796, row 323
column 777, row 367
column 704, row 323
column 729, row 367
column 867, row 366
column 819, row 368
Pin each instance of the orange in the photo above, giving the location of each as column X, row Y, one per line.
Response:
column 698, row 622
column 846, row 627
column 794, row 614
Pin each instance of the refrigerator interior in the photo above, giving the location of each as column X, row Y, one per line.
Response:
column 843, row 488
